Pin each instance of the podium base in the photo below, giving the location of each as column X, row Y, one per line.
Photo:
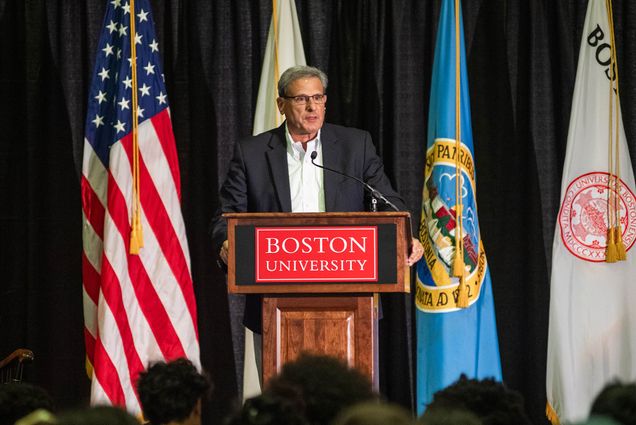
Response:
column 342, row 326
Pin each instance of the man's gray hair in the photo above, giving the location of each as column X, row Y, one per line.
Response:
column 297, row 72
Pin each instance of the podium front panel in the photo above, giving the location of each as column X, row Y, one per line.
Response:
column 318, row 253
column 344, row 327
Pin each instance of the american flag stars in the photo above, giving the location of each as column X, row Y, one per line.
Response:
column 110, row 114
column 143, row 16
column 98, row 121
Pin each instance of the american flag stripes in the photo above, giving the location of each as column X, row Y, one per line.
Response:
column 137, row 308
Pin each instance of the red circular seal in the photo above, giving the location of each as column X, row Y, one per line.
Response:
column 583, row 217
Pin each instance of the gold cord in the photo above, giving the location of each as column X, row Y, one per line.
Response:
column 136, row 231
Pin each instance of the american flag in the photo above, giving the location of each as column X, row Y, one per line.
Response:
column 137, row 308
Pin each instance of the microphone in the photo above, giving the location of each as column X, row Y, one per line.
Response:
column 374, row 192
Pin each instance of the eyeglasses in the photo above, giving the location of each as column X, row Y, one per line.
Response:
column 304, row 99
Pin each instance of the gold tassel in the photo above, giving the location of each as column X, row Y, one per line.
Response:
column 140, row 229
column 462, row 296
column 89, row 368
column 136, row 235
column 620, row 246
column 551, row 414
column 458, row 263
column 611, row 255
column 134, row 241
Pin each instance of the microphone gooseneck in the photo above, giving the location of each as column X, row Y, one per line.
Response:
column 374, row 192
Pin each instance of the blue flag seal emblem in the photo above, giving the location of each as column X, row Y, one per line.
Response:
column 439, row 228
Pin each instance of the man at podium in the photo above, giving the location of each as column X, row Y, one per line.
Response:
column 281, row 170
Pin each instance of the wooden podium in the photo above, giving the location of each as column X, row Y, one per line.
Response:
column 320, row 275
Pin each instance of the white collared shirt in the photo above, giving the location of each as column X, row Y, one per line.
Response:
column 305, row 179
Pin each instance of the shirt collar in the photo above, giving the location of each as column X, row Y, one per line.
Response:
column 295, row 148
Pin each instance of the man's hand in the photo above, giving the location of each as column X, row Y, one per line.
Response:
column 416, row 252
column 224, row 252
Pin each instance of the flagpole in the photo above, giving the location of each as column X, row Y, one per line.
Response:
column 458, row 263
column 136, row 232
column 621, row 252
column 276, row 64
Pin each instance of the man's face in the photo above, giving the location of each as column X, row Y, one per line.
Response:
column 303, row 121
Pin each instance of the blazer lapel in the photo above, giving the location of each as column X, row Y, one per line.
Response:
column 277, row 161
column 330, row 156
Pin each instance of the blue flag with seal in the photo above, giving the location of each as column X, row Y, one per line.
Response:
column 456, row 328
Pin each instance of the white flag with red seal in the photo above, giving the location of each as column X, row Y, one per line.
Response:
column 592, row 330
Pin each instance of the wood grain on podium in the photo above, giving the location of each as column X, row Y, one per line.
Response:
column 341, row 326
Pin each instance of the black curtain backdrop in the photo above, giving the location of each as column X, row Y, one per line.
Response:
column 522, row 59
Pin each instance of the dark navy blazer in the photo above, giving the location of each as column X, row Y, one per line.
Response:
column 258, row 181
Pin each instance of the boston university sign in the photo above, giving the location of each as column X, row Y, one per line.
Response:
column 316, row 254
column 350, row 252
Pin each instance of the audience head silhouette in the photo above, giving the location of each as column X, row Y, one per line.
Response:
column 322, row 385
column 374, row 413
column 20, row 399
column 98, row 415
column 448, row 416
column 267, row 409
column 618, row 402
column 489, row 400
column 171, row 393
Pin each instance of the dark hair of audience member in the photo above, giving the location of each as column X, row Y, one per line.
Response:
column 171, row 391
column 19, row 399
column 98, row 415
column 616, row 401
column 374, row 413
column 324, row 385
column 448, row 416
column 267, row 409
column 489, row 400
